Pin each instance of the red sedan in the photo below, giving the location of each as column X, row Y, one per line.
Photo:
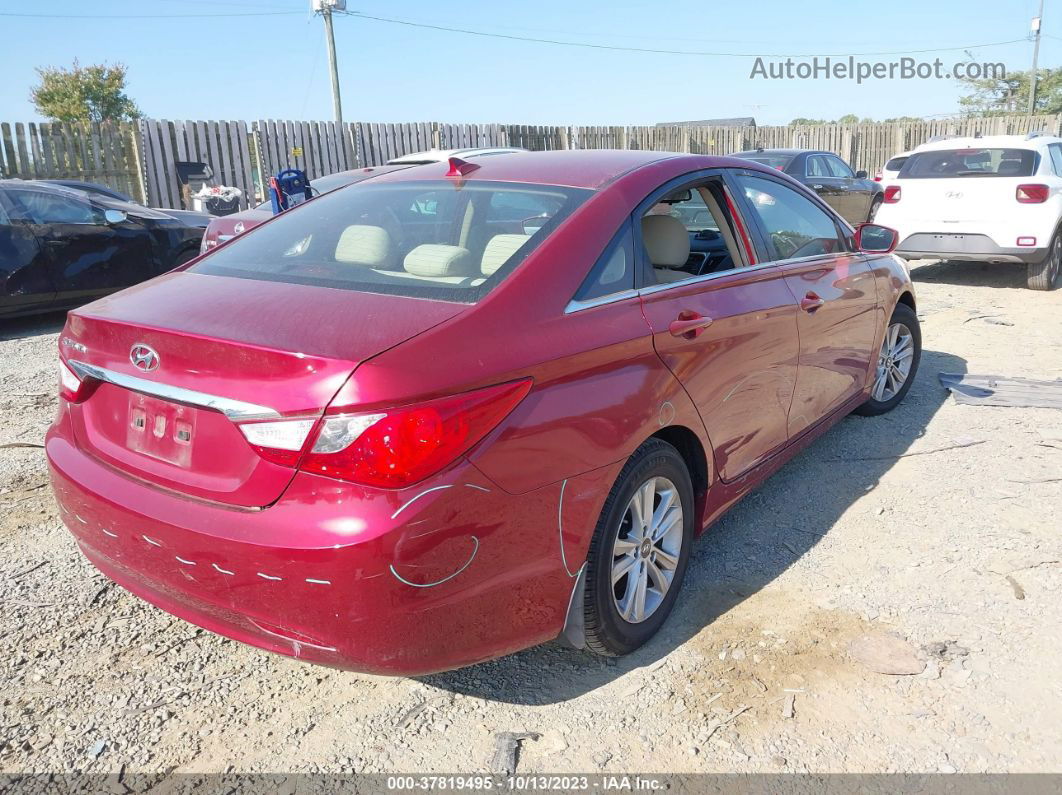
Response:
column 456, row 411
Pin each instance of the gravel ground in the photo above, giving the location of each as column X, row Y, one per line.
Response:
column 929, row 529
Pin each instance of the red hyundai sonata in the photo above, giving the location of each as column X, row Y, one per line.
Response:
column 453, row 412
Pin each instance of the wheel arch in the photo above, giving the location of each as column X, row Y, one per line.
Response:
column 692, row 450
column 907, row 298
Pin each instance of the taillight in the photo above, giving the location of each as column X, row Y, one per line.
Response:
column 877, row 177
column 279, row 441
column 398, row 447
column 69, row 384
column 1032, row 194
column 892, row 194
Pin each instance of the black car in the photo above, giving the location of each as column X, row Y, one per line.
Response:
column 849, row 192
column 61, row 247
column 189, row 217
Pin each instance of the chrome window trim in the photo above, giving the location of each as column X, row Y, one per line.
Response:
column 233, row 409
column 578, row 306
column 590, row 303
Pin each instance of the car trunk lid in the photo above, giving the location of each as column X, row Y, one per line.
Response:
column 225, row 350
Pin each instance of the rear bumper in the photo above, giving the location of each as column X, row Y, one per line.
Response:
column 442, row 575
column 975, row 247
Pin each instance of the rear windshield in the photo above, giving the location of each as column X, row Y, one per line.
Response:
column 951, row 163
column 774, row 161
column 440, row 239
column 896, row 163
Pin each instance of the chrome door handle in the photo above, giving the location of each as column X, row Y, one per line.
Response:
column 811, row 302
column 688, row 325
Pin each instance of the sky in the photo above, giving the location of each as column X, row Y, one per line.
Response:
column 188, row 61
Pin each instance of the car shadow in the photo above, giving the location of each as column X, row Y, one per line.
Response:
column 971, row 274
column 32, row 325
column 835, row 471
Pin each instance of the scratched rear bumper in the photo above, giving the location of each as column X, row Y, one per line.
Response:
column 451, row 572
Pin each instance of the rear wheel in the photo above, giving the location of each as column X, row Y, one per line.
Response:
column 874, row 206
column 1043, row 275
column 897, row 362
column 640, row 550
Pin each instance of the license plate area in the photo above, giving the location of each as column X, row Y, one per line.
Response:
column 160, row 429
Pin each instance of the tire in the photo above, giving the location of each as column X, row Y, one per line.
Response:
column 1043, row 275
column 608, row 632
column 886, row 393
column 875, row 205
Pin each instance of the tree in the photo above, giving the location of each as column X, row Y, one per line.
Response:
column 802, row 120
column 998, row 96
column 84, row 93
column 848, row 118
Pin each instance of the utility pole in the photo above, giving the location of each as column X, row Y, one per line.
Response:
column 325, row 9
column 1037, row 23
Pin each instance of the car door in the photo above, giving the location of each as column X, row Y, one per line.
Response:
column 25, row 284
column 858, row 192
column 820, row 178
column 87, row 256
column 833, row 286
column 729, row 336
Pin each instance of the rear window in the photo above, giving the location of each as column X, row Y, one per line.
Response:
column 774, row 161
column 440, row 239
column 896, row 163
column 952, row 163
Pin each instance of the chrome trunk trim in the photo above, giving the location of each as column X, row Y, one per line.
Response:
column 233, row 409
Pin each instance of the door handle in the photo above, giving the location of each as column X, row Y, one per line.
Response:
column 811, row 302
column 688, row 324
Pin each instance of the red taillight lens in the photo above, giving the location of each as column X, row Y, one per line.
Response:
column 1032, row 194
column 892, row 194
column 398, row 447
column 69, row 384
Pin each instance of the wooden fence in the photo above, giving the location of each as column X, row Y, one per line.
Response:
column 104, row 153
column 139, row 158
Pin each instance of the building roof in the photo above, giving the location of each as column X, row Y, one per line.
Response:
column 736, row 121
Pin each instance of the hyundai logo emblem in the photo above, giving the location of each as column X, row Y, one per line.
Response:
column 144, row 357
column 954, row 194
column 238, row 229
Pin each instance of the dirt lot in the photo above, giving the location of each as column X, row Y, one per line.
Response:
column 937, row 523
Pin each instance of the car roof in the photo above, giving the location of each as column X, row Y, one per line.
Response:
column 576, row 168
column 54, row 187
column 440, row 155
column 988, row 141
column 790, row 152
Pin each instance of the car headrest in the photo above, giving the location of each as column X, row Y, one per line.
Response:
column 666, row 240
column 1009, row 167
column 498, row 251
column 436, row 259
column 370, row 246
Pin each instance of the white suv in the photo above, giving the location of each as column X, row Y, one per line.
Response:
column 991, row 199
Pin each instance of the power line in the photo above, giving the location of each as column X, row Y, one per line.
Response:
column 153, row 16
column 620, row 48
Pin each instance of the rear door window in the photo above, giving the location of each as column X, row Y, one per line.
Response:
column 972, row 162
column 1056, row 158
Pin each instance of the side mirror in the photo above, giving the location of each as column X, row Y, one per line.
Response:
column 875, row 239
column 861, row 174
column 113, row 217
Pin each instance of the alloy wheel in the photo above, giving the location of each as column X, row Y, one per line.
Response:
column 894, row 362
column 646, row 552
